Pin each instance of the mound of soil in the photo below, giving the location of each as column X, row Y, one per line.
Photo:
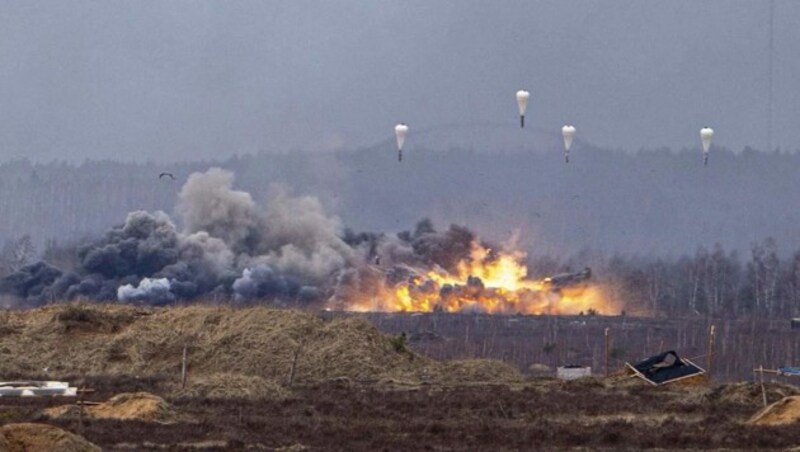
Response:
column 87, row 339
column 232, row 386
column 31, row 437
column 354, row 348
column 784, row 411
column 140, row 406
column 97, row 339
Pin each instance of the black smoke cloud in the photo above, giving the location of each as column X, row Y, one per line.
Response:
column 287, row 252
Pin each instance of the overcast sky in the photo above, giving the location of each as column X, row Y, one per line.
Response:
column 169, row 80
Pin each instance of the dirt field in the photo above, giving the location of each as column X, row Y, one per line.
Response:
column 355, row 389
column 340, row 415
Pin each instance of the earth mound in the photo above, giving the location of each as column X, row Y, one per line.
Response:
column 275, row 345
column 88, row 339
column 784, row 411
column 30, row 437
column 140, row 406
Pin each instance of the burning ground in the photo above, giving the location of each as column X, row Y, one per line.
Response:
column 290, row 252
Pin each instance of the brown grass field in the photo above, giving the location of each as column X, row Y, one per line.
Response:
column 354, row 388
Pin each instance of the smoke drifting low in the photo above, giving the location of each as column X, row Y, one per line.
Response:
column 287, row 252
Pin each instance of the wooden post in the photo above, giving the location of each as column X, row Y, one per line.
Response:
column 763, row 390
column 607, row 340
column 294, row 365
column 183, row 368
column 710, row 351
column 80, row 409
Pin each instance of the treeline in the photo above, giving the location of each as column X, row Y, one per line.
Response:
column 653, row 202
column 711, row 282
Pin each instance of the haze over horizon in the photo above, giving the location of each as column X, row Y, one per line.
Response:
column 205, row 80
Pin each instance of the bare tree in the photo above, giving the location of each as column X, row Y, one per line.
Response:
column 17, row 254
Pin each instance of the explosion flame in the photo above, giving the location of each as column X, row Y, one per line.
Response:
column 488, row 281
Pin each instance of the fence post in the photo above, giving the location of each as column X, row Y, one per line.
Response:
column 607, row 339
column 710, row 351
column 183, row 368
column 297, row 352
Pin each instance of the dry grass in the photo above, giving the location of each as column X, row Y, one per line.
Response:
column 34, row 437
column 237, row 396
column 480, row 371
column 784, row 411
column 750, row 393
column 89, row 339
column 232, row 386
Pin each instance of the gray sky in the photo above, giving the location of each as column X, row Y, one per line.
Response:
column 203, row 79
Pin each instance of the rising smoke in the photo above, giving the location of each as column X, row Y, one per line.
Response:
column 288, row 252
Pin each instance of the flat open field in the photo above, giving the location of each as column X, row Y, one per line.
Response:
column 352, row 388
column 740, row 345
column 536, row 415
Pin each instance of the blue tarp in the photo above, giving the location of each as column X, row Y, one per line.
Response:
column 789, row 371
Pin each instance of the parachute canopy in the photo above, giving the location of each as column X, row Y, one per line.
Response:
column 706, row 134
column 522, row 101
column 522, row 104
column 568, row 132
column 400, row 131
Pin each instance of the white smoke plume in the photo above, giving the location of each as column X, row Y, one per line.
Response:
column 153, row 290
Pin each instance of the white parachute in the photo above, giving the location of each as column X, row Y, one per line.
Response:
column 706, row 134
column 400, row 132
column 568, row 132
column 522, row 103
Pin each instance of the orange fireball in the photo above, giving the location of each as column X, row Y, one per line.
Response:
column 486, row 281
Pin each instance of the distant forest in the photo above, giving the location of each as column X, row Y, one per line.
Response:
column 673, row 236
